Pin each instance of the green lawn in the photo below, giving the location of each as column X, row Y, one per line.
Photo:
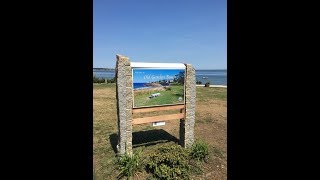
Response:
column 165, row 97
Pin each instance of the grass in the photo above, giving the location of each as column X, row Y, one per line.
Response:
column 166, row 97
column 105, row 85
column 210, row 126
column 206, row 94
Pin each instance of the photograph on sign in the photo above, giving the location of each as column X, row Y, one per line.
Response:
column 156, row 87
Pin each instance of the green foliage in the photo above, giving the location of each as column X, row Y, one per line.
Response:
column 168, row 88
column 98, row 80
column 170, row 162
column 179, row 78
column 113, row 80
column 129, row 165
column 102, row 80
column 199, row 150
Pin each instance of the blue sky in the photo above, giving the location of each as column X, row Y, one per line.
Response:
column 169, row 31
column 151, row 75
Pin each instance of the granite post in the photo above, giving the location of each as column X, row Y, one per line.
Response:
column 124, row 104
column 187, row 124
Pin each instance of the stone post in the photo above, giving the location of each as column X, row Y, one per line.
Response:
column 124, row 104
column 187, row 124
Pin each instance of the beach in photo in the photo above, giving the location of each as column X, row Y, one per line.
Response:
column 155, row 87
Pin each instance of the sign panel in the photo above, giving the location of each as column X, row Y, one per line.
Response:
column 159, row 85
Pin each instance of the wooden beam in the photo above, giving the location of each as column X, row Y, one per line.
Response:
column 157, row 118
column 160, row 108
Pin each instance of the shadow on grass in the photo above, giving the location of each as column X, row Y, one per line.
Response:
column 179, row 95
column 145, row 138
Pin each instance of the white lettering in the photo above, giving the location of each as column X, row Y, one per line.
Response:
column 157, row 77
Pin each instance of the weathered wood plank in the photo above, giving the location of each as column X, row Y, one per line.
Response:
column 161, row 108
column 157, row 118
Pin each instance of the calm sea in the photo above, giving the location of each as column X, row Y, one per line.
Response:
column 139, row 86
column 215, row 77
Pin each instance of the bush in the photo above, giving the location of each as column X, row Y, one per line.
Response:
column 199, row 150
column 168, row 88
column 98, row 80
column 198, row 82
column 207, row 84
column 113, row 80
column 129, row 165
column 170, row 162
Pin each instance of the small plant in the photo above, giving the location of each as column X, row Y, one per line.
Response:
column 199, row 150
column 207, row 84
column 168, row 88
column 170, row 162
column 129, row 165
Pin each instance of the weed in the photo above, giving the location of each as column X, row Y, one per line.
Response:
column 199, row 150
column 129, row 165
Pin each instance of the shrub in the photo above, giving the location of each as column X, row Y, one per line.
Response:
column 113, row 80
column 170, row 162
column 129, row 165
column 98, row 80
column 199, row 150
column 207, row 84
column 198, row 82
column 168, row 88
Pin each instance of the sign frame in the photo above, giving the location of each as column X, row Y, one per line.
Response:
column 155, row 66
column 126, row 111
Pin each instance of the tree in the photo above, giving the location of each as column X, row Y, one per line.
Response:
column 179, row 78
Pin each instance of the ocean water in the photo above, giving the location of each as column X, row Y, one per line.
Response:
column 107, row 74
column 215, row 77
column 140, row 86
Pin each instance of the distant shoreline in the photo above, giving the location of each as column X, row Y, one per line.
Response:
column 103, row 69
column 214, row 77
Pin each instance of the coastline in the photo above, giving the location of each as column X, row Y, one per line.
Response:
column 149, row 88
